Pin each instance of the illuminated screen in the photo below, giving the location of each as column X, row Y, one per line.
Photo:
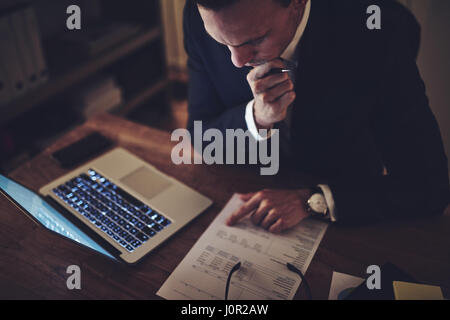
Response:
column 47, row 215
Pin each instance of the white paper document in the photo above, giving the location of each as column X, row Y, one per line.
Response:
column 263, row 275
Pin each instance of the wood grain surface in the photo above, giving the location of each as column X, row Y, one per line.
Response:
column 33, row 260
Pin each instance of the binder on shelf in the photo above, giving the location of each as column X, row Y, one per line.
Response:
column 36, row 44
column 10, row 59
column 24, row 47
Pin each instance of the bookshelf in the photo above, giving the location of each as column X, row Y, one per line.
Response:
column 61, row 81
column 137, row 63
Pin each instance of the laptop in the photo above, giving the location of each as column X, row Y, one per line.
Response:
column 117, row 205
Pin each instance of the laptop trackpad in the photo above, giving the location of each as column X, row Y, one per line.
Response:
column 146, row 182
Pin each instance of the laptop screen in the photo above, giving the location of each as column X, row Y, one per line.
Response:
column 47, row 215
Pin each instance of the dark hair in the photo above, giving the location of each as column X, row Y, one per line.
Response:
column 217, row 5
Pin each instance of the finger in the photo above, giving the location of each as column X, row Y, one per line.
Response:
column 264, row 84
column 285, row 100
column 246, row 196
column 281, row 105
column 277, row 92
column 260, row 213
column 270, row 219
column 262, row 70
column 244, row 210
column 277, row 227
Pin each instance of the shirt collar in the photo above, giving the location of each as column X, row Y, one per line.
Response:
column 289, row 52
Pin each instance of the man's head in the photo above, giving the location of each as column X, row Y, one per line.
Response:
column 255, row 31
column 217, row 5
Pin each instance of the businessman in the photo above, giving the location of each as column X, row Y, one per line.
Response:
column 352, row 111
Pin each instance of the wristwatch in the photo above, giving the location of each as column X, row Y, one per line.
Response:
column 317, row 205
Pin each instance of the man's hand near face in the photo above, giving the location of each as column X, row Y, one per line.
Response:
column 273, row 94
column 273, row 210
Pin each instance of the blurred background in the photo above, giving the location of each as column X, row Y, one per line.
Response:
column 128, row 59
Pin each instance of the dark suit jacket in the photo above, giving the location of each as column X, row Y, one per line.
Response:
column 361, row 106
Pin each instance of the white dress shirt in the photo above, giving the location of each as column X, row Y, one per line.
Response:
column 249, row 116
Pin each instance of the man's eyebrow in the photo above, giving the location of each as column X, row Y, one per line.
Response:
column 243, row 44
column 252, row 40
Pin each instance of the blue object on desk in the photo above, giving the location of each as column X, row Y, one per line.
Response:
column 34, row 205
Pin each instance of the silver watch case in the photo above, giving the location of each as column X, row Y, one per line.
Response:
column 317, row 204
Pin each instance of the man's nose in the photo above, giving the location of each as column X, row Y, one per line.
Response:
column 241, row 56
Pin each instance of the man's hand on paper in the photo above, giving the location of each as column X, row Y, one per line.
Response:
column 274, row 210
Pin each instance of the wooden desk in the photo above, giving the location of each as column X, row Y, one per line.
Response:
column 33, row 261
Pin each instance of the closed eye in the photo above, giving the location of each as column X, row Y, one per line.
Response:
column 258, row 41
column 253, row 42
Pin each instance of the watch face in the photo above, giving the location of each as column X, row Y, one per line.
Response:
column 318, row 203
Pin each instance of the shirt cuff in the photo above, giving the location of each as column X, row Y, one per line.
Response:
column 330, row 201
column 260, row 135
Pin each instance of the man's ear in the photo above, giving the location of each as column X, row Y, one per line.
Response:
column 299, row 5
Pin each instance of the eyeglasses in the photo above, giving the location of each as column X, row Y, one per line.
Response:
column 290, row 266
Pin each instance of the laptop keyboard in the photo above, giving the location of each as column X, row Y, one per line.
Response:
column 125, row 219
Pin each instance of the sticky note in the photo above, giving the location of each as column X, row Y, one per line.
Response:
column 414, row 291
